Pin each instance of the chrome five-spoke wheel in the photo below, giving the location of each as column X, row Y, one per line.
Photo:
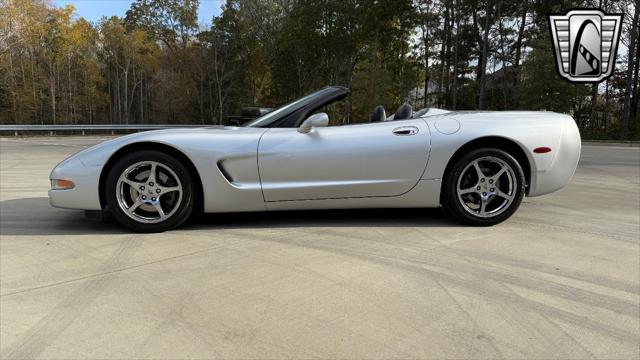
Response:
column 150, row 191
column 484, row 187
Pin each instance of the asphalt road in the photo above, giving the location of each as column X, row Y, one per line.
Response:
column 558, row 280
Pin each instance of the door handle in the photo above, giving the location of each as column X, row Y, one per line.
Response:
column 405, row 131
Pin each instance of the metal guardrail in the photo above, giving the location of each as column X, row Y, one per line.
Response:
column 83, row 128
column 93, row 127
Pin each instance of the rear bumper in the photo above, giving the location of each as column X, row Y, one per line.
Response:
column 565, row 161
column 84, row 195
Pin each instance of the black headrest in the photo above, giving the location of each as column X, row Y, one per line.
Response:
column 405, row 111
column 378, row 114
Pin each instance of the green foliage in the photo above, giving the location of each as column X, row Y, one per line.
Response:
column 171, row 21
column 542, row 88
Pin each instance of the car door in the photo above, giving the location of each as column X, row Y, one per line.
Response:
column 363, row 160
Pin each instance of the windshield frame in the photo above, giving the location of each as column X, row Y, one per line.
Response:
column 268, row 119
column 292, row 113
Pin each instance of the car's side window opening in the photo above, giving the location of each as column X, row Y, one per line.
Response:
column 335, row 101
column 338, row 112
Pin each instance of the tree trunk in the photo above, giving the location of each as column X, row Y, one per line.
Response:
column 443, row 50
column 401, row 70
column 52, row 84
column 218, row 84
column 426, row 76
column 142, row 97
column 448, row 58
column 626, row 114
column 485, row 52
column 126, row 94
column 201, row 96
column 478, row 36
column 636, row 80
column 13, row 98
column 34, row 93
column 454, row 90
column 24, row 84
column 594, row 96
column 118, row 102
column 352, row 68
column 110, row 88
column 210, row 83
column 605, row 113
column 503, row 57
column 425, row 43
column 69, row 92
column 594, row 101
column 518, row 46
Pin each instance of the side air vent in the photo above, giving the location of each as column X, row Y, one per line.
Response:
column 224, row 172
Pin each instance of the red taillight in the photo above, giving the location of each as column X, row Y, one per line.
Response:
column 542, row 150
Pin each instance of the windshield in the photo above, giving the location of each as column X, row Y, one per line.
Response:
column 267, row 119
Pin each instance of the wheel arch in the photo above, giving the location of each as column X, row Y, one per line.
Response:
column 154, row 146
column 497, row 142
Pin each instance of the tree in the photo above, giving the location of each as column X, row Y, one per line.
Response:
column 171, row 21
column 626, row 114
column 542, row 88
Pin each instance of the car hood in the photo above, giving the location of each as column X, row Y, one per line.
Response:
column 97, row 155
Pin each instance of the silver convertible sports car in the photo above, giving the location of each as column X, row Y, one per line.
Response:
column 478, row 165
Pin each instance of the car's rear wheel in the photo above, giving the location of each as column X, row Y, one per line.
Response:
column 484, row 187
column 149, row 191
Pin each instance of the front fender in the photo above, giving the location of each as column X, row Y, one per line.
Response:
column 84, row 195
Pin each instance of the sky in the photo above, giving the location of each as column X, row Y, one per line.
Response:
column 93, row 10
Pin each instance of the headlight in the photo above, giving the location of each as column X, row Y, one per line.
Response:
column 62, row 184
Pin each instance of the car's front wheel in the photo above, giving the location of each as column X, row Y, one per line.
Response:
column 484, row 187
column 149, row 191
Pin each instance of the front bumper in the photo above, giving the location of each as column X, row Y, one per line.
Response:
column 85, row 194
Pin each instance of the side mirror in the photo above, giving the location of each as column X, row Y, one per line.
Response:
column 315, row 120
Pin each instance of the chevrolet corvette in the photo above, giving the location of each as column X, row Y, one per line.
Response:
column 476, row 164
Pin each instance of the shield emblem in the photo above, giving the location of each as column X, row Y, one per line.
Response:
column 585, row 43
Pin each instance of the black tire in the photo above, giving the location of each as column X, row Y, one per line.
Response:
column 510, row 185
column 178, row 204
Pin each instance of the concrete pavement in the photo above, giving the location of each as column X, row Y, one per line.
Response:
column 561, row 279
